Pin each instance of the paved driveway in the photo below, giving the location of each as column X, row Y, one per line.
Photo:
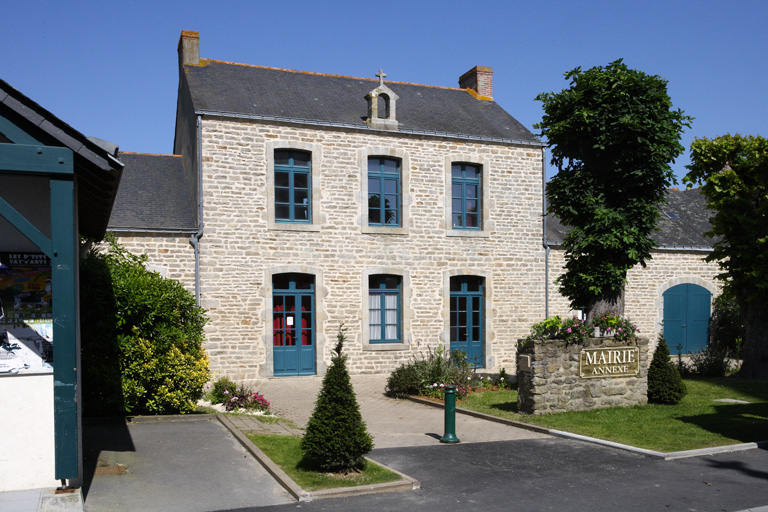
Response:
column 392, row 423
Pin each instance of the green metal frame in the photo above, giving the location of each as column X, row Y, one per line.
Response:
column 56, row 163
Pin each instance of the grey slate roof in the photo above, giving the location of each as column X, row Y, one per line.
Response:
column 221, row 87
column 684, row 231
column 153, row 195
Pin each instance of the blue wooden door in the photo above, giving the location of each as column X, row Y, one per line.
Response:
column 293, row 324
column 467, row 318
column 687, row 308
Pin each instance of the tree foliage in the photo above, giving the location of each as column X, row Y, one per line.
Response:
column 142, row 338
column 613, row 134
column 733, row 173
column 336, row 438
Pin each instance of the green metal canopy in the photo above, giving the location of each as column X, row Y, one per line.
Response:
column 83, row 175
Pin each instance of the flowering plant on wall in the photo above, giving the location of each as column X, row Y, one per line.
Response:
column 620, row 328
column 573, row 331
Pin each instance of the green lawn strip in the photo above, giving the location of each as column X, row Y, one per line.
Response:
column 285, row 451
column 697, row 422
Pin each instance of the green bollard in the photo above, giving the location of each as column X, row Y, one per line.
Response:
column 450, row 416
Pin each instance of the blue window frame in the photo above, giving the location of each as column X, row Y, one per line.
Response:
column 467, row 318
column 384, row 192
column 465, row 196
column 384, row 310
column 292, row 186
column 293, row 324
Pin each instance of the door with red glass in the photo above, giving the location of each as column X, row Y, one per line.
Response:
column 293, row 324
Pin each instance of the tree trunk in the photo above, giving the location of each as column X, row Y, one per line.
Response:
column 610, row 303
column 754, row 352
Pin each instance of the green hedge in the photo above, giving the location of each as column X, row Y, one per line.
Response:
column 142, row 337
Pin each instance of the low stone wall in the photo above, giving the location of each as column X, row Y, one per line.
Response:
column 594, row 375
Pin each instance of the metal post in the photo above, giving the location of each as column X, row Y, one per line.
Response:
column 450, row 415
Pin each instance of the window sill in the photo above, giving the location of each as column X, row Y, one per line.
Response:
column 287, row 226
column 381, row 230
column 384, row 347
column 468, row 233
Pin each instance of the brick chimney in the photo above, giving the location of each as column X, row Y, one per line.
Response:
column 480, row 80
column 189, row 48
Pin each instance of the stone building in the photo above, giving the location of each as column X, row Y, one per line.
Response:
column 673, row 293
column 409, row 213
column 412, row 214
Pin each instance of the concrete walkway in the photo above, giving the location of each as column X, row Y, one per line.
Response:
column 392, row 423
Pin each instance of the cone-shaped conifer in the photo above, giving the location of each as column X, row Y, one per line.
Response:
column 336, row 438
column 665, row 386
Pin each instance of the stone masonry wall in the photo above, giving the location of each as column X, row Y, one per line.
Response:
column 169, row 255
column 243, row 247
column 553, row 382
column 644, row 301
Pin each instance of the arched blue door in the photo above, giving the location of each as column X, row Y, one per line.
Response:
column 467, row 318
column 686, row 318
column 293, row 324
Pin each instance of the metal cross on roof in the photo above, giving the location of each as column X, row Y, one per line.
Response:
column 381, row 74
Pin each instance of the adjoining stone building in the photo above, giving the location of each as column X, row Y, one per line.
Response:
column 412, row 214
column 674, row 292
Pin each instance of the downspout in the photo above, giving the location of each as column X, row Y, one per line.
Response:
column 544, row 229
column 194, row 240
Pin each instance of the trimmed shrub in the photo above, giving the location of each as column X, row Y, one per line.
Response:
column 142, row 337
column 336, row 438
column 222, row 389
column 665, row 386
column 429, row 374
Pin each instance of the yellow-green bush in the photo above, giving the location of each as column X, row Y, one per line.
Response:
column 142, row 338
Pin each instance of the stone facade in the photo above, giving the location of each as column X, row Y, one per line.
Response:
column 170, row 255
column 549, row 379
column 243, row 247
column 644, row 303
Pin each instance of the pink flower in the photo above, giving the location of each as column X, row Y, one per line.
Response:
column 569, row 330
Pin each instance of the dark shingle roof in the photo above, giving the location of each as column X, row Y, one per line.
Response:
column 682, row 223
column 153, row 195
column 220, row 87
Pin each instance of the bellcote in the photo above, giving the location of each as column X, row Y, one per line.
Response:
column 382, row 106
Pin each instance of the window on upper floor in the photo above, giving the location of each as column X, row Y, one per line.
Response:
column 384, row 192
column 384, row 308
column 293, row 186
column 466, row 195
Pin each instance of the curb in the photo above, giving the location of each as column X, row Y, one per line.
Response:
column 406, row 484
column 568, row 435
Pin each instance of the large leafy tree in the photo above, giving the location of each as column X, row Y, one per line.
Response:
column 613, row 134
column 733, row 173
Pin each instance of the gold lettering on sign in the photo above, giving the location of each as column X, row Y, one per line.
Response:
column 609, row 362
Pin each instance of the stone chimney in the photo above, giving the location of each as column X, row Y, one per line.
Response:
column 189, row 48
column 480, row 80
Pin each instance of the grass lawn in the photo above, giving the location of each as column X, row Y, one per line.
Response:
column 697, row 422
column 285, row 451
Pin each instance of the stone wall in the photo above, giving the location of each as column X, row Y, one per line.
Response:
column 170, row 255
column 243, row 247
column 644, row 301
column 548, row 378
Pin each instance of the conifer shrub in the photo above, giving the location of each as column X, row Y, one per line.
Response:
column 665, row 386
column 336, row 438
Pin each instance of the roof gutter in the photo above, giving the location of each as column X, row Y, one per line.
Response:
column 194, row 240
column 168, row 231
column 350, row 126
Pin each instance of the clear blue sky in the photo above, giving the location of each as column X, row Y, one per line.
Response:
column 109, row 68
